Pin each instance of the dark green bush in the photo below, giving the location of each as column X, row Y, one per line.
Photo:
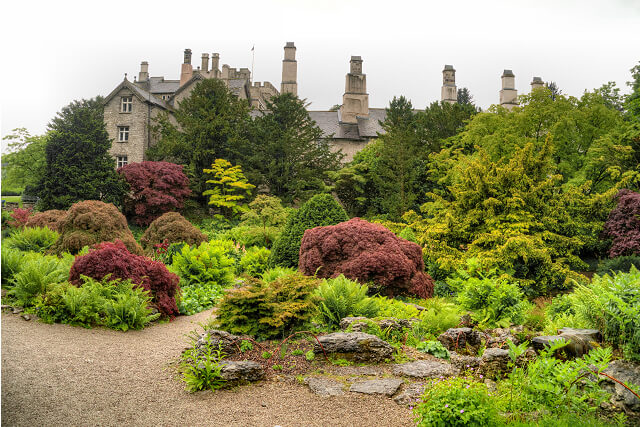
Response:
column 320, row 210
column 619, row 264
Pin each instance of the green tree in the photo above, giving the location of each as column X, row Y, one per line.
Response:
column 632, row 101
column 78, row 164
column 230, row 187
column 289, row 155
column 25, row 162
column 212, row 123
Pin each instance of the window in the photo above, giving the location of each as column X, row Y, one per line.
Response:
column 166, row 97
column 126, row 104
column 121, row 161
column 123, row 133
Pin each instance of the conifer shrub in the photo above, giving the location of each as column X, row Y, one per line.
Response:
column 623, row 225
column 320, row 210
column 366, row 252
column 51, row 219
column 174, row 228
column 156, row 188
column 114, row 259
column 91, row 222
column 268, row 310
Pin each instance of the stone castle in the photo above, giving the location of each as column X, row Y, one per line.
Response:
column 130, row 108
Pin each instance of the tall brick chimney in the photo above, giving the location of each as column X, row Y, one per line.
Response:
column 187, row 69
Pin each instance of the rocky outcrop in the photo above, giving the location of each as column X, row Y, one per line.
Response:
column 229, row 343
column 359, row 324
column 494, row 362
column 580, row 341
column 355, row 346
column 458, row 339
column 621, row 398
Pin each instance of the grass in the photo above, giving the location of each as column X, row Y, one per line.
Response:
column 12, row 199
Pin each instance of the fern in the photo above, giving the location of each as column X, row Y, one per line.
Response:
column 36, row 274
column 341, row 298
column 33, row 239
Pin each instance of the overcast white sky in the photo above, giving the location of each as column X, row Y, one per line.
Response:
column 56, row 51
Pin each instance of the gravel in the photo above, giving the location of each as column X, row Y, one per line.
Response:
column 64, row 375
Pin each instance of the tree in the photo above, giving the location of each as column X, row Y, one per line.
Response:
column 212, row 124
column 554, row 90
column 632, row 101
column 78, row 164
column 464, row 96
column 230, row 187
column 289, row 155
column 25, row 163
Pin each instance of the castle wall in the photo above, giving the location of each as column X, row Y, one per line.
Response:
column 349, row 147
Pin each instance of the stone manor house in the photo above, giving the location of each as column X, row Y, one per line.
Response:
column 130, row 108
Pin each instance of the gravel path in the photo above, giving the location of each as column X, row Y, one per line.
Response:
column 55, row 375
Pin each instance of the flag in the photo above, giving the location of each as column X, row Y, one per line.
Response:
column 253, row 47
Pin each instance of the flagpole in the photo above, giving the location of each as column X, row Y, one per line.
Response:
column 253, row 57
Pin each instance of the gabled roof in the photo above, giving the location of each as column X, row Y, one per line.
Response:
column 160, row 85
column 139, row 93
column 196, row 77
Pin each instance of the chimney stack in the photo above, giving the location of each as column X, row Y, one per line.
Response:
column 289, row 70
column 355, row 101
column 205, row 63
column 449, row 91
column 187, row 70
column 508, row 94
column 536, row 83
column 143, row 76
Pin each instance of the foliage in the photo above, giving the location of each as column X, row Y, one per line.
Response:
column 35, row 275
column 618, row 264
column 20, row 217
column 115, row 260
column 12, row 261
column 368, row 253
column 91, row 222
column 273, row 274
column 230, row 187
column 632, row 101
column 288, row 152
column 200, row 367
column 155, row 188
column 439, row 316
column 320, row 210
column 310, row 356
column 623, row 225
column 211, row 123
column 435, row 348
column 78, row 164
column 456, row 402
column 254, row 262
column 51, row 219
column 24, row 163
column 340, row 298
column 268, row 310
column 262, row 223
column 32, row 239
column 172, row 227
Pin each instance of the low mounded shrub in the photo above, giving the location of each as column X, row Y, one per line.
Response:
column 91, row 222
column 174, row 228
column 19, row 217
column 619, row 264
column 115, row 260
column 33, row 239
column 340, row 298
column 320, row 210
column 254, row 262
column 51, row 219
column 368, row 253
column 623, row 225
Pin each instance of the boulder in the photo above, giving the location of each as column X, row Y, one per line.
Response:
column 355, row 346
column 495, row 362
column 627, row 372
column 463, row 362
column 410, row 394
column 580, row 341
column 426, row 369
column 324, row 386
column 359, row 324
column 229, row 343
column 462, row 338
column 237, row 372
column 387, row 387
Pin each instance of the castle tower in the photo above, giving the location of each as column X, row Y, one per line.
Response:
column 143, row 76
column 355, row 101
column 215, row 63
column 289, row 70
column 536, row 83
column 449, row 91
column 187, row 69
column 508, row 94
column 205, row 63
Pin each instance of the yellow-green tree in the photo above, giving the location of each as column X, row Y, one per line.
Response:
column 230, row 187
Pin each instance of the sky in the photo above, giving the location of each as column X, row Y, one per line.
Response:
column 54, row 52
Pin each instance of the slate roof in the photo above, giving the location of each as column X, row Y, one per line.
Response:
column 160, row 85
column 140, row 93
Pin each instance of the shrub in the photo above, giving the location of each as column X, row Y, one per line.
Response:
column 320, row 210
column 51, row 219
column 268, row 310
column 408, row 234
column 262, row 224
column 439, row 316
column 619, row 264
column 12, row 260
column 273, row 274
column 340, row 298
column 173, row 228
column 19, row 217
column 255, row 261
column 623, row 225
column 252, row 236
column 91, row 222
column 114, row 259
column 435, row 348
column 33, row 239
column 156, row 188
column 35, row 275
column 366, row 252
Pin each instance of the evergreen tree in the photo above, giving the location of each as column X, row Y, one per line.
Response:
column 78, row 164
column 632, row 101
column 230, row 187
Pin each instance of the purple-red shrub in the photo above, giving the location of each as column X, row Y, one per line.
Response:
column 174, row 228
column 623, row 225
column 366, row 252
column 51, row 219
column 155, row 188
column 20, row 217
column 114, row 258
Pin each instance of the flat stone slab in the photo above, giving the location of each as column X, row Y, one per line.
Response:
column 387, row 387
column 426, row 369
column 589, row 334
column 410, row 394
column 355, row 346
column 324, row 386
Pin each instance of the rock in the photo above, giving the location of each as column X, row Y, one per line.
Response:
column 627, row 372
column 387, row 387
column 416, row 306
column 5, row 307
column 324, row 386
column 410, row 394
column 495, row 362
column 355, row 346
column 461, row 338
column 235, row 372
column 463, row 362
column 393, row 323
column 500, row 336
column 587, row 334
column 465, row 321
column 580, row 341
column 357, row 324
column 25, row 316
column 17, row 310
column 425, row 369
column 230, row 343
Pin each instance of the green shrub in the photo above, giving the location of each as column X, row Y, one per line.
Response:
column 194, row 299
column 320, row 210
column 267, row 310
column 435, row 348
column 619, row 264
column 439, row 316
column 201, row 367
column 389, row 307
column 128, row 308
column 456, row 402
column 247, row 236
column 273, row 274
column 341, row 298
column 408, row 234
column 254, row 261
column 36, row 239
column 36, row 274
column 11, row 260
